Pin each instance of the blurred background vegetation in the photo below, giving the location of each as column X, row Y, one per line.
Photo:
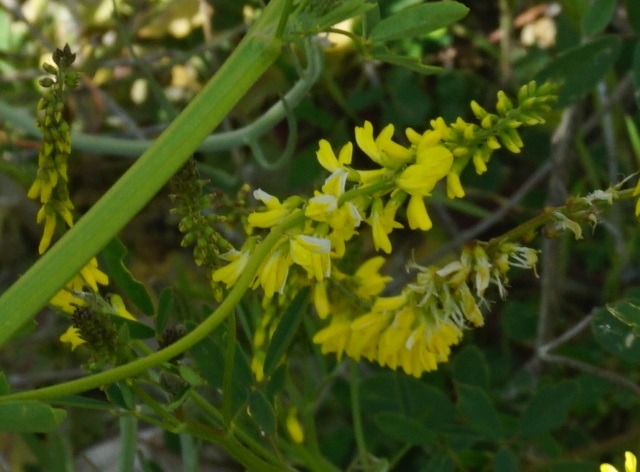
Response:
column 504, row 402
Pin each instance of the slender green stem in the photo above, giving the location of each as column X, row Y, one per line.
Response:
column 173, row 424
column 255, row 53
column 233, row 447
column 140, row 365
column 242, row 435
column 356, row 414
column 380, row 187
column 128, row 443
column 573, row 210
column 227, row 380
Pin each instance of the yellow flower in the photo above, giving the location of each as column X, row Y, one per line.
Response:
column 230, row 273
column 72, row 336
column 274, row 270
column 93, row 276
column 118, row 305
column 366, row 331
column 66, row 301
column 275, row 213
column 321, row 300
column 382, row 221
column 630, row 464
column 334, row 338
column 454, row 187
column 417, row 214
column 432, row 164
column 312, row 253
column 370, row 282
column 50, row 221
column 327, row 158
column 382, row 150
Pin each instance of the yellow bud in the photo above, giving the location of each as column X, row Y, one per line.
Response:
column 479, row 162
column 460, row 151
column 294, row 427
column 488, row 121
column 509, row 143
column 477, row 110
column 493, row 143
column 469, row 133
column 504, row 104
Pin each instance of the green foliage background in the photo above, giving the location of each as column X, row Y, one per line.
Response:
column 512, row 398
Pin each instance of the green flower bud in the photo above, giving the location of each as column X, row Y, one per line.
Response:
column 46, row 82
column 49, row 68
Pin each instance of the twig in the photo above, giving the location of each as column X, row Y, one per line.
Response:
column 496, row 217
column 550, row 272
column 591, row 369
column 566, row 336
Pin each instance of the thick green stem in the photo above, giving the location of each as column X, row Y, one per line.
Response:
column 255, row 53
column 140, row 365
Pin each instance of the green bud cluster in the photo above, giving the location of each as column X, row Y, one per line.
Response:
column 197, row 220
column 495, row 130
column 97, row 329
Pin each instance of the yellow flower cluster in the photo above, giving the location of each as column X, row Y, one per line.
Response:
column 415, row 329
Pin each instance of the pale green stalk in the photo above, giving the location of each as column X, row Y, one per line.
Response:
column 255, row 53
column 128, row 443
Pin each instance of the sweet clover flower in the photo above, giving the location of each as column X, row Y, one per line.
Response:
column 415, row 329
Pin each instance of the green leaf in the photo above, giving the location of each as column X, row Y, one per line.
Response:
column 470, row 368
column 477, row 409
column 598, row 16
column 262, row 412
column 190, row 376
column 165, row 306
column 78, row 401
column 439, row 461
column 633, row 14
column 402, row 427
column 135, row 329
column 210, row 362
column 51, row 451
column 418, row 20
column 548, row 408
column 121, row 395
column 410, row 63
column 318, row 16
column 615, row 336
column 627, row 311
column 581, row 68
column 113, row 256
column 506, row 461
column 286, row 330
column 5, row 387
column 29, row 416
column 397, row 393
